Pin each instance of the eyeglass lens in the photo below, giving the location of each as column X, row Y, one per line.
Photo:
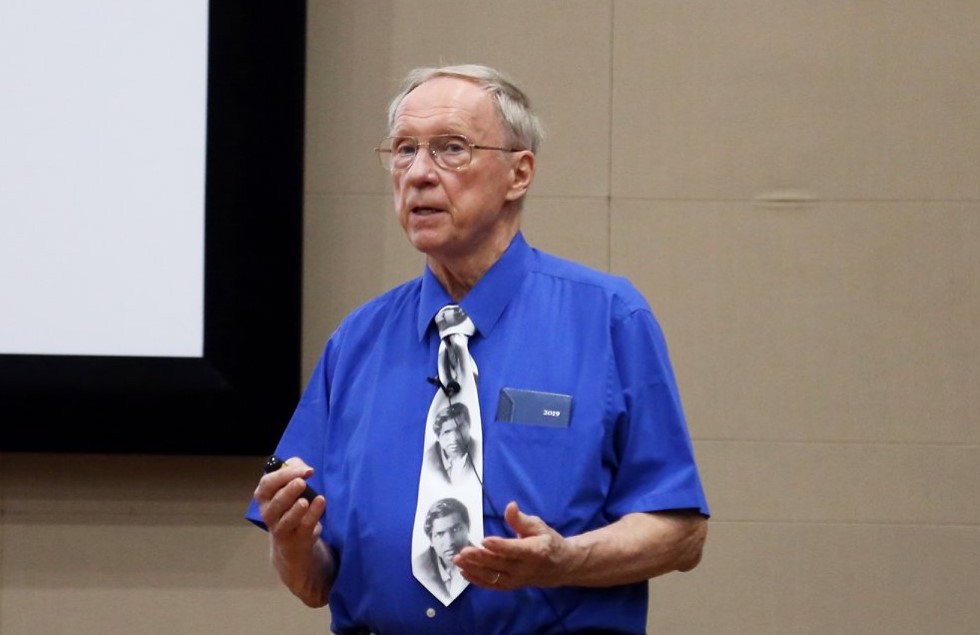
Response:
column 449, row 151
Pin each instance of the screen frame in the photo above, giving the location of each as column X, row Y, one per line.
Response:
column 237, row 397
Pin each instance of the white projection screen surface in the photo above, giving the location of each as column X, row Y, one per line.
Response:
column 102, row 163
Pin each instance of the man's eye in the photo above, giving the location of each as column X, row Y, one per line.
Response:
column 404, row 148
column 454, row 147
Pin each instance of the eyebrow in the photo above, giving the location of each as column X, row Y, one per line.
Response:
column 454, row 133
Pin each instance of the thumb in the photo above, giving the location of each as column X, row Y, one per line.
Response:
column 523, row 524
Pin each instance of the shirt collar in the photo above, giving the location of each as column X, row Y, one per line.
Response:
column 485, row 302
column 444, row 572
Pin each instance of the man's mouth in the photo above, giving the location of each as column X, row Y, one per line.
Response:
column 425, row 211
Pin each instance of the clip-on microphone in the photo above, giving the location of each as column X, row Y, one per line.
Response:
column 451, row 389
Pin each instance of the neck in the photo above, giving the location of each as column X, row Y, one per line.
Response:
column 459, row 275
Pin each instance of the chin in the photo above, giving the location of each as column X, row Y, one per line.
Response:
column 426, row 242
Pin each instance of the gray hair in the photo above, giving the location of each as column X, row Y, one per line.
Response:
column 513, row 107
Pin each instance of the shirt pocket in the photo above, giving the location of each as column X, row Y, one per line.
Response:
column 550, row 468
column 534, row 407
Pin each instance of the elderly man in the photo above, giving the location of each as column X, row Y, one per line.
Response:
column 589, row 486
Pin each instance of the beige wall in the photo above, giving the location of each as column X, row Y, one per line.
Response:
column 795, row 185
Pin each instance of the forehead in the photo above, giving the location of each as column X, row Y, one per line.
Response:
column 450, row 421
column 449, row 424
column 446, row 104
column 451, row 520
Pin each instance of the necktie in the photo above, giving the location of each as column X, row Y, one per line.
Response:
column 449, row 514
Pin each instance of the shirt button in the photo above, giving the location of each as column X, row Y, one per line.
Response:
column 430, row 612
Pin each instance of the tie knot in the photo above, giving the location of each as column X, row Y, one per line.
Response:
column 452, row 319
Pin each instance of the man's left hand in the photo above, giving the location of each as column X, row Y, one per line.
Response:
column 538, row 556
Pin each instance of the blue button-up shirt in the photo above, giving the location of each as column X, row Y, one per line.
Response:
column 545, row 325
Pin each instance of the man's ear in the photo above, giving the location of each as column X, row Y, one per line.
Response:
column 521, row 175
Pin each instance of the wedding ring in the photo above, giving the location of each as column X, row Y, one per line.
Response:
column 495, row 580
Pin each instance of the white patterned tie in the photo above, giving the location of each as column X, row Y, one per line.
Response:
column 449, row 514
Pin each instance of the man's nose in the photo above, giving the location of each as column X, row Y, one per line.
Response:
column 423, row 166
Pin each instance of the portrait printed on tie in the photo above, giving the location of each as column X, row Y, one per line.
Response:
column 444, row 532
column 453, row 452
column 447, row 527
column 449, row 317
column 453, row 363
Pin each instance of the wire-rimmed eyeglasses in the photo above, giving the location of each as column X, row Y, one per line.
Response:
column 449, row 151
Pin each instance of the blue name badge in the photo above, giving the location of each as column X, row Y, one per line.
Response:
column 531, row 407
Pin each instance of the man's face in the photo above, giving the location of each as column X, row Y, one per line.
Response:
column 454, row 437
column 449, row 535
column 454, row 214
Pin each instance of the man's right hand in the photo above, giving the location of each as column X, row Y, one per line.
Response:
column 302, row 560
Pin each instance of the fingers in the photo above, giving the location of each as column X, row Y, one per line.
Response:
column 512, row 516
column 508, row 563
column 293, row 521
column 278, row 495
column 487, row 572
column 513, row 566
column 272, row 482
column 300, row 521
column 498, row 580
column 523, row 524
